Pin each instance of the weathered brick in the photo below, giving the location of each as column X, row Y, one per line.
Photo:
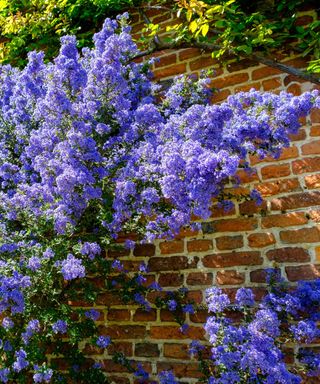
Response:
column 235, row 225
column 118, row 315
column 144, row 250
column 251, row 207
column 260, row 240
column 173, row 332
column 121, row 346
column 315, row 130
column 312, row 148
column 284, row 220
column 295, row 89
column 146, row 350
column 176, row 351
column 199, row 278
column 306, row 165
column 169, row 316
column 199, row 245
column 312, row 181
column 247, row 87
column 171, row 263
column 125, row 331
column 288, row 255
column 315, row 116
column 170, row 71
column 229, row 242
column 260, row 73
column 217, row 211
column 189, row 370
column 239, row 65
column 275, row 171
column 143, row 315
column 303, row 272
column 314, row 215
column 171, row 247
column 189, row 53
column 297, row 200
column 278, row 186
column 204, row 61
column 227, row 81
column 170, row 279
column 166, row 60
column 286, row 153
column 220, row 95
column 301, row 135
column 232, row 259
column 303, row 235
column 230, row 278
column 273, row 83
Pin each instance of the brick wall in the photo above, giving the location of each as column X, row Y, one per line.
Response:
column 232, row 249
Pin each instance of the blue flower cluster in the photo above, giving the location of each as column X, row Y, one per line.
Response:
column 250, row 350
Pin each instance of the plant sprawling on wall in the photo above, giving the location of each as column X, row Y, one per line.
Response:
column 90, row 148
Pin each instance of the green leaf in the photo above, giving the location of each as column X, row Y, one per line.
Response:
column 245, row 48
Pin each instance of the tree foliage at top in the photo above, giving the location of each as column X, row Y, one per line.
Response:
column 28, row 25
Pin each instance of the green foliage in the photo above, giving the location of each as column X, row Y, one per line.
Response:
column 239, row 27
column 28, row 25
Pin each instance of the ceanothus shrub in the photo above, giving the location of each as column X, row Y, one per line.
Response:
column 89, row 148
column 247, row 337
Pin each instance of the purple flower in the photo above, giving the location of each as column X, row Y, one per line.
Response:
column 245, row 297
column 92, row 314
column 72, row 268
column 60, row 326
column 216, row 300
column 103, row 341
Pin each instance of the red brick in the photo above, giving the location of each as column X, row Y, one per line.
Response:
column 186, row 232
column 199, row 278
column 166, row 60
column 301, row 135
column 303, row 235
column 314, row 215
column 306, row 165
column 146, row 350
column 258, row 276
column 303, row 272
column 173, row 332
column 220, row 212
column 312, row 148
column 125, row 331
column 284, row 220
column 315, row 116
column 171, row 263
column 315, row 130
column 312, row 181
column 304, row 20
column 260, row 73
column 287, row 153
column 297, row 200
column 176, row 351
column 248, row 87
column 275, row 171
column 204, row 61
column 241, row 64
column 144, row 250
column 171, row 247
column 170, row 279
column 170, row 71
column 251, row 207
column 189, row 53
column 232, row 259
column 189, row 370
column 118, row 314
column 229, row 242
column 246, row 176
column 230, row 278
column 298, row 62
column 199, row 245
column 220, row 95
column 295, row 89
column 143, row 315
column 278, row 186
column 236, row 225
column 260, row 240
column 169, row 316
column 273, row 83
column 288, row 255
column 122, row 346
column 200, row 316
column 227, row 81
